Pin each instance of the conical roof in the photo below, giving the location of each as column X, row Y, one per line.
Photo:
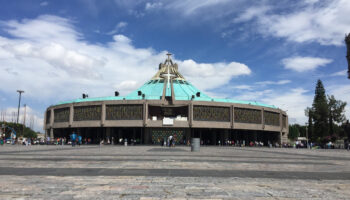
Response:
column 168, row 84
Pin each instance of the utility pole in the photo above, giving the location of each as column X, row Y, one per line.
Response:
column 307, row 136
column 19, row 102
column 24, row 119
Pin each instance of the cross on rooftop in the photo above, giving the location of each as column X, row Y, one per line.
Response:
column 169, row 55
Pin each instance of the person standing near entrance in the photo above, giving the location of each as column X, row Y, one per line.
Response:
column 80, row 139
column 73, row 138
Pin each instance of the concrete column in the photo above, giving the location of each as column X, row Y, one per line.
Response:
column 232, row 116
column 190, row 114
column 262, row 119
column 281, row 128
column 51, row 117
column 103, row 114
column 51, row 134
column 281, row 124
column 145, row 113
column 71, row 113
column 280, row 140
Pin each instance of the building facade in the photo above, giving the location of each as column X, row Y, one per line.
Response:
column 167, row 105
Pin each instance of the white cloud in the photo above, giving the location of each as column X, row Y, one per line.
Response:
column 44, row 3
column 243, row 87
column 33, row 117
column 152, row 6
column 254, row 95
column 293, row 101
column 280, row 82
column 190, row 7
column 44, row 28
column 341, row 92
column 251, row 13
column 127, row 85
column 340, row 73
column 118, row 28
column 311, row 1
column 212, row 75
column 301, row 64
column 52, row 62
column 324, row 23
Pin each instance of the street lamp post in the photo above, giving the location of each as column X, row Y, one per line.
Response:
column 19, row 102
column 307, row 136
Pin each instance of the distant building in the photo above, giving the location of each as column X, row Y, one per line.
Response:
column 167, row 105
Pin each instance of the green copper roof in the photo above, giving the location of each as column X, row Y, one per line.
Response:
column 153, row 89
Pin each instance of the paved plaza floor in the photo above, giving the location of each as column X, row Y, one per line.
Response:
column 154, row 172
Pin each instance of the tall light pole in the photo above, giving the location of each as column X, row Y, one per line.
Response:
column 19, row 102
column 307, row 135
column 24, row 119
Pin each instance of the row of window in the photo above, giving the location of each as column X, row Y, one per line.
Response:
column 200, row 113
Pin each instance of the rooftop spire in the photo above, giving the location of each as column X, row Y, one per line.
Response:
column 169, row 55
column 168, row 69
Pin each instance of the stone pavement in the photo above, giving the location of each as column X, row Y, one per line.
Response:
column 154, row 172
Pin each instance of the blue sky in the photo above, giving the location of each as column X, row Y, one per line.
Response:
column 266, row 51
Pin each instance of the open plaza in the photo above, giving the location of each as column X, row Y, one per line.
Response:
column 160, row 99
column 155, row 172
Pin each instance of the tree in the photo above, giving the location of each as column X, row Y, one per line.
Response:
column 18, row 128
column 320, row 112
column 308, row 113
column 336, row 113
column 293, row 132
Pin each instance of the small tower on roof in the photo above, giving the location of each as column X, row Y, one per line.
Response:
column 168, row 67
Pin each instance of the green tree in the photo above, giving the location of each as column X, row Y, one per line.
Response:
column 336, row 114
column 320, row 112
column 308, row 113
column 293, row 132
column 18, row 128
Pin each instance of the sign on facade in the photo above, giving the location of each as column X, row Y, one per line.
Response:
column 168, row 121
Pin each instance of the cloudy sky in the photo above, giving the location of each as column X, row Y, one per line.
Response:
column 267, row 51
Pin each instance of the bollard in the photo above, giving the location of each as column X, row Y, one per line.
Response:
column 195, row 144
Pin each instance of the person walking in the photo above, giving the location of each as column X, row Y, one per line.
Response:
column 80, row 139
column 73, row 138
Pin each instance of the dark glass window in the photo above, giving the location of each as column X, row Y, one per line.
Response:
column 244, row 115
column 86, row 113
column 272, row 118
column 211, row 113
column 61, row 115
column 124, row 112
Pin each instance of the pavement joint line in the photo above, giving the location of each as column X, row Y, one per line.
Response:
column 165, row 160
column 173, row 173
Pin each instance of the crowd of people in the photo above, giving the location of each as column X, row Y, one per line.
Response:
column 168, row 142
